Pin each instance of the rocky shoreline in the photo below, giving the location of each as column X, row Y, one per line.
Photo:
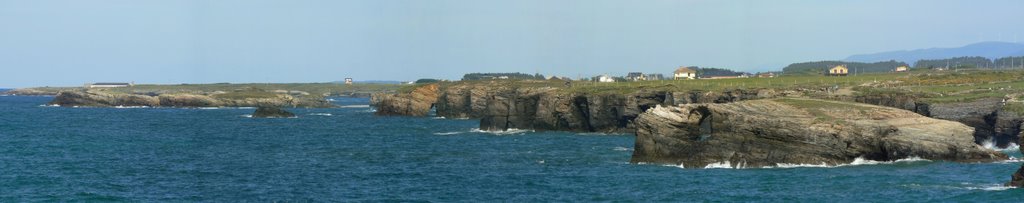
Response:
column 796, row 131
column 756, row 130
column 247, row 99
column 502, row 107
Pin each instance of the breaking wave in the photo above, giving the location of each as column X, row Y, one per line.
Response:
column 501, row 132
column 215, row 108
column 622, row 149
column 131, row 107
column 247, row 115
column 355, row 106
column 49, row 105
column 994, row 187
column 449, row 133
column 989, row 144
column 320, row 114
column 856, row 162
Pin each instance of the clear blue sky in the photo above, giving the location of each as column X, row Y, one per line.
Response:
column 71, row 42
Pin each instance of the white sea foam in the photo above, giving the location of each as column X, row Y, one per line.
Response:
column 785, row 165
column 247, row 115
column 510, row 131
column 723, row 164
column 448, row 133
column 130, row 107
column 439, row 117
column 320, row 114
column 856, row 162
column 622, row 149
column 49, row 105
column 355, row 106
column 994, row 187
column 329, row 99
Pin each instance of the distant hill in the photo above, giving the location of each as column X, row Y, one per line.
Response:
column 990, row 50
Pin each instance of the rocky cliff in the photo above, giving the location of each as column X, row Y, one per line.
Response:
column 248, row 99
column 503, row 107
column 418, row 102
column 993, row 124
column 763, row 133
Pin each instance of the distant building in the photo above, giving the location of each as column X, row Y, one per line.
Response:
column 605, row 78
column 902, row 69
column 636, row 76
column 839, row 70
column 655, row 76
column 766, row 75
column 110, row 84
column 348, row 81
column 683, row 73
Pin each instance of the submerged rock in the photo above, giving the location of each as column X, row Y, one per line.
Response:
column 762, row 133
column 271, row 112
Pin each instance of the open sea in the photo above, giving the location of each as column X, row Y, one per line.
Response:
column 348, row 154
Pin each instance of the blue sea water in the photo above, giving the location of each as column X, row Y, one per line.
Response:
column 348, row 154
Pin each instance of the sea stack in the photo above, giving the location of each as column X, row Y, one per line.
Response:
column 271, row 112
column 773, row 132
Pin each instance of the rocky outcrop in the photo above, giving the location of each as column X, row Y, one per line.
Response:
column 28, row 92
column 106, row 99
column 991, row 122
column 763, row 133
column 419, row 102
column 502, row 107
column 271, row 112
column 100, row 99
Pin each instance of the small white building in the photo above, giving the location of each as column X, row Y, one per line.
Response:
column 902, row 69
column 683, row 73
column 605, row 78
column 110, row 84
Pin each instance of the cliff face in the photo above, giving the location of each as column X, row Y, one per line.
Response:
column 797, row 131
column 501, row 107
column 416, row 103
column 992, row 124
column 103, row 99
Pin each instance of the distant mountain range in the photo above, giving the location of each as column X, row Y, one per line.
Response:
column 990, row 50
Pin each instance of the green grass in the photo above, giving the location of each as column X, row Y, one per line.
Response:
column 246, row 94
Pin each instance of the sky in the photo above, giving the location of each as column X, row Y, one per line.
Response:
column 73, row 42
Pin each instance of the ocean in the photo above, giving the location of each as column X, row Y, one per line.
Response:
column 348, row 154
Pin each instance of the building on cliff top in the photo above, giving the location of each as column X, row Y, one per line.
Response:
column 109, row 84
column 839, row 70
column 683, row 72
column 902, row 69
column 636, row 76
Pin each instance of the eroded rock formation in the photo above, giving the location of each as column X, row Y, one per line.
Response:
column 798, row 131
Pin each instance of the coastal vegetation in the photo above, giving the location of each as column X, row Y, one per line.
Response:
column 819, row 67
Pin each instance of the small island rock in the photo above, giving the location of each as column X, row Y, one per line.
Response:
column 271, row 112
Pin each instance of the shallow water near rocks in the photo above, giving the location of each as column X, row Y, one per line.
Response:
column 174, row 154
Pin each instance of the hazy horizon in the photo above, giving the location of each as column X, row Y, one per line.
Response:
column 69, row 43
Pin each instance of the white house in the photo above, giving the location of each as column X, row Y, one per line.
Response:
column 684, row 73
column 605, row 78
